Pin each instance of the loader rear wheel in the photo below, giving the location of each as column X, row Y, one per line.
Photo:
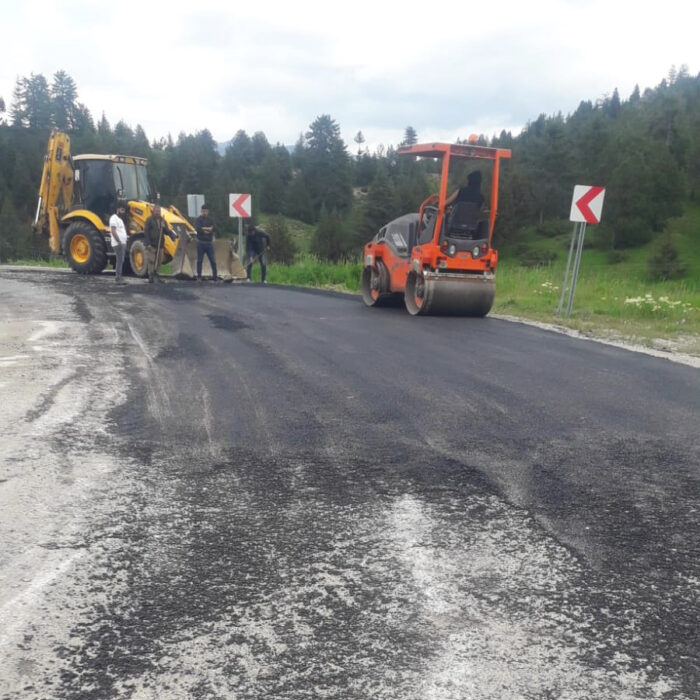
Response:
column 137, row 257
column 375, row 283
column 84, row 248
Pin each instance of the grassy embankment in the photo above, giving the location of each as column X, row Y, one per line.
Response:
column 612, row 300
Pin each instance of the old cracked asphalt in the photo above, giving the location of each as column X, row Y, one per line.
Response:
column 222, row 491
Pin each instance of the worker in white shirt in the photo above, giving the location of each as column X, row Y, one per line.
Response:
column 118, row 231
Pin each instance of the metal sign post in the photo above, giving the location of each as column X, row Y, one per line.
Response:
column 586, row 207
column 576, row 238
column 195, row 202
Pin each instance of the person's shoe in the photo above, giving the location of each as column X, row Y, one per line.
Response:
column 264, row 281
column 151, row 280
column 121, row 281
column 199, row 280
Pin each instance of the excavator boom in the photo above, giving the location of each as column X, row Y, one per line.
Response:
column 56, row 189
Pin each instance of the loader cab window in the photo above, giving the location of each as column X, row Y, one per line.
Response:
column 97, row 187
column 142, row 183
column 125, row 180
column 132, row 180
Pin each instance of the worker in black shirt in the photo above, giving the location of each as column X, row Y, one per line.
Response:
column 205, row 242
column 153, row 233
column 257, row 242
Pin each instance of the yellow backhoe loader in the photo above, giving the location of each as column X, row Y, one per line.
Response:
column 78, row 194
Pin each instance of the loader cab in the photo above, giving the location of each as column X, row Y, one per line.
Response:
column 102, row 180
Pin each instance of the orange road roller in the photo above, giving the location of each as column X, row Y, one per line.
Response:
column 440, row 260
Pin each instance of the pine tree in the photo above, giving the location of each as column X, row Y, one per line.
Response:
column 410, row 137
column 379, row 208
column 359, row 140
column 326, row 166
column 260, row 147
column 123, row 138
column 239, row 157
column 105, row 138
column 330, row 241
column 15, row 239
column 297, row 203
column 666, row 263
column 37, row 103
column 272, row 179
column 64, row 97
column 282, row 248
column 18, row 111
column 141, row 146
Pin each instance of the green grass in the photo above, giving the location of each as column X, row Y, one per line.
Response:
column 311, row 272
column 40, row 262
column 609, row 301
column 299, row 232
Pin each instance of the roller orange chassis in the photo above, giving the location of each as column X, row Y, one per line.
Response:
column 429, row 262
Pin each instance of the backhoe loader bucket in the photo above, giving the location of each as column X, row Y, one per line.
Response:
column 228, row 264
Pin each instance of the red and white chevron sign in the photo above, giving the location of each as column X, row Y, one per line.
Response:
column 239, row 205
column 587, row 204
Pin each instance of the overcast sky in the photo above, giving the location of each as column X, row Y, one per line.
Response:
column 446, row 68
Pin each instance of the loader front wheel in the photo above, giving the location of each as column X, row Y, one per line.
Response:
column 85, row 248
column 137, row 257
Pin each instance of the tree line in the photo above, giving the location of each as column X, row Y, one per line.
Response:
column 644, row 149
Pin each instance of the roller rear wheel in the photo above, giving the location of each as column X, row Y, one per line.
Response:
column 375, row 284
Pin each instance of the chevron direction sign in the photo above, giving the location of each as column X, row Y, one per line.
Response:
column 587, row 204
column 239, row 205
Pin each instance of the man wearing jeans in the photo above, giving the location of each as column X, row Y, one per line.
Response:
column 117, row 230
column 205, row 242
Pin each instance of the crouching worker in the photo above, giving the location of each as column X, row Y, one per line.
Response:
column 205, row 242
column 153, row 233
column 257, row 242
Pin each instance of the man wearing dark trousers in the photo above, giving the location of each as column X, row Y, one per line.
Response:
column 205, row 242
column 153, row 233
column 257, row 242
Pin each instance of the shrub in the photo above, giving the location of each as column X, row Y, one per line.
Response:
column 666, row 263
column 615, row 257
column 531, row 257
